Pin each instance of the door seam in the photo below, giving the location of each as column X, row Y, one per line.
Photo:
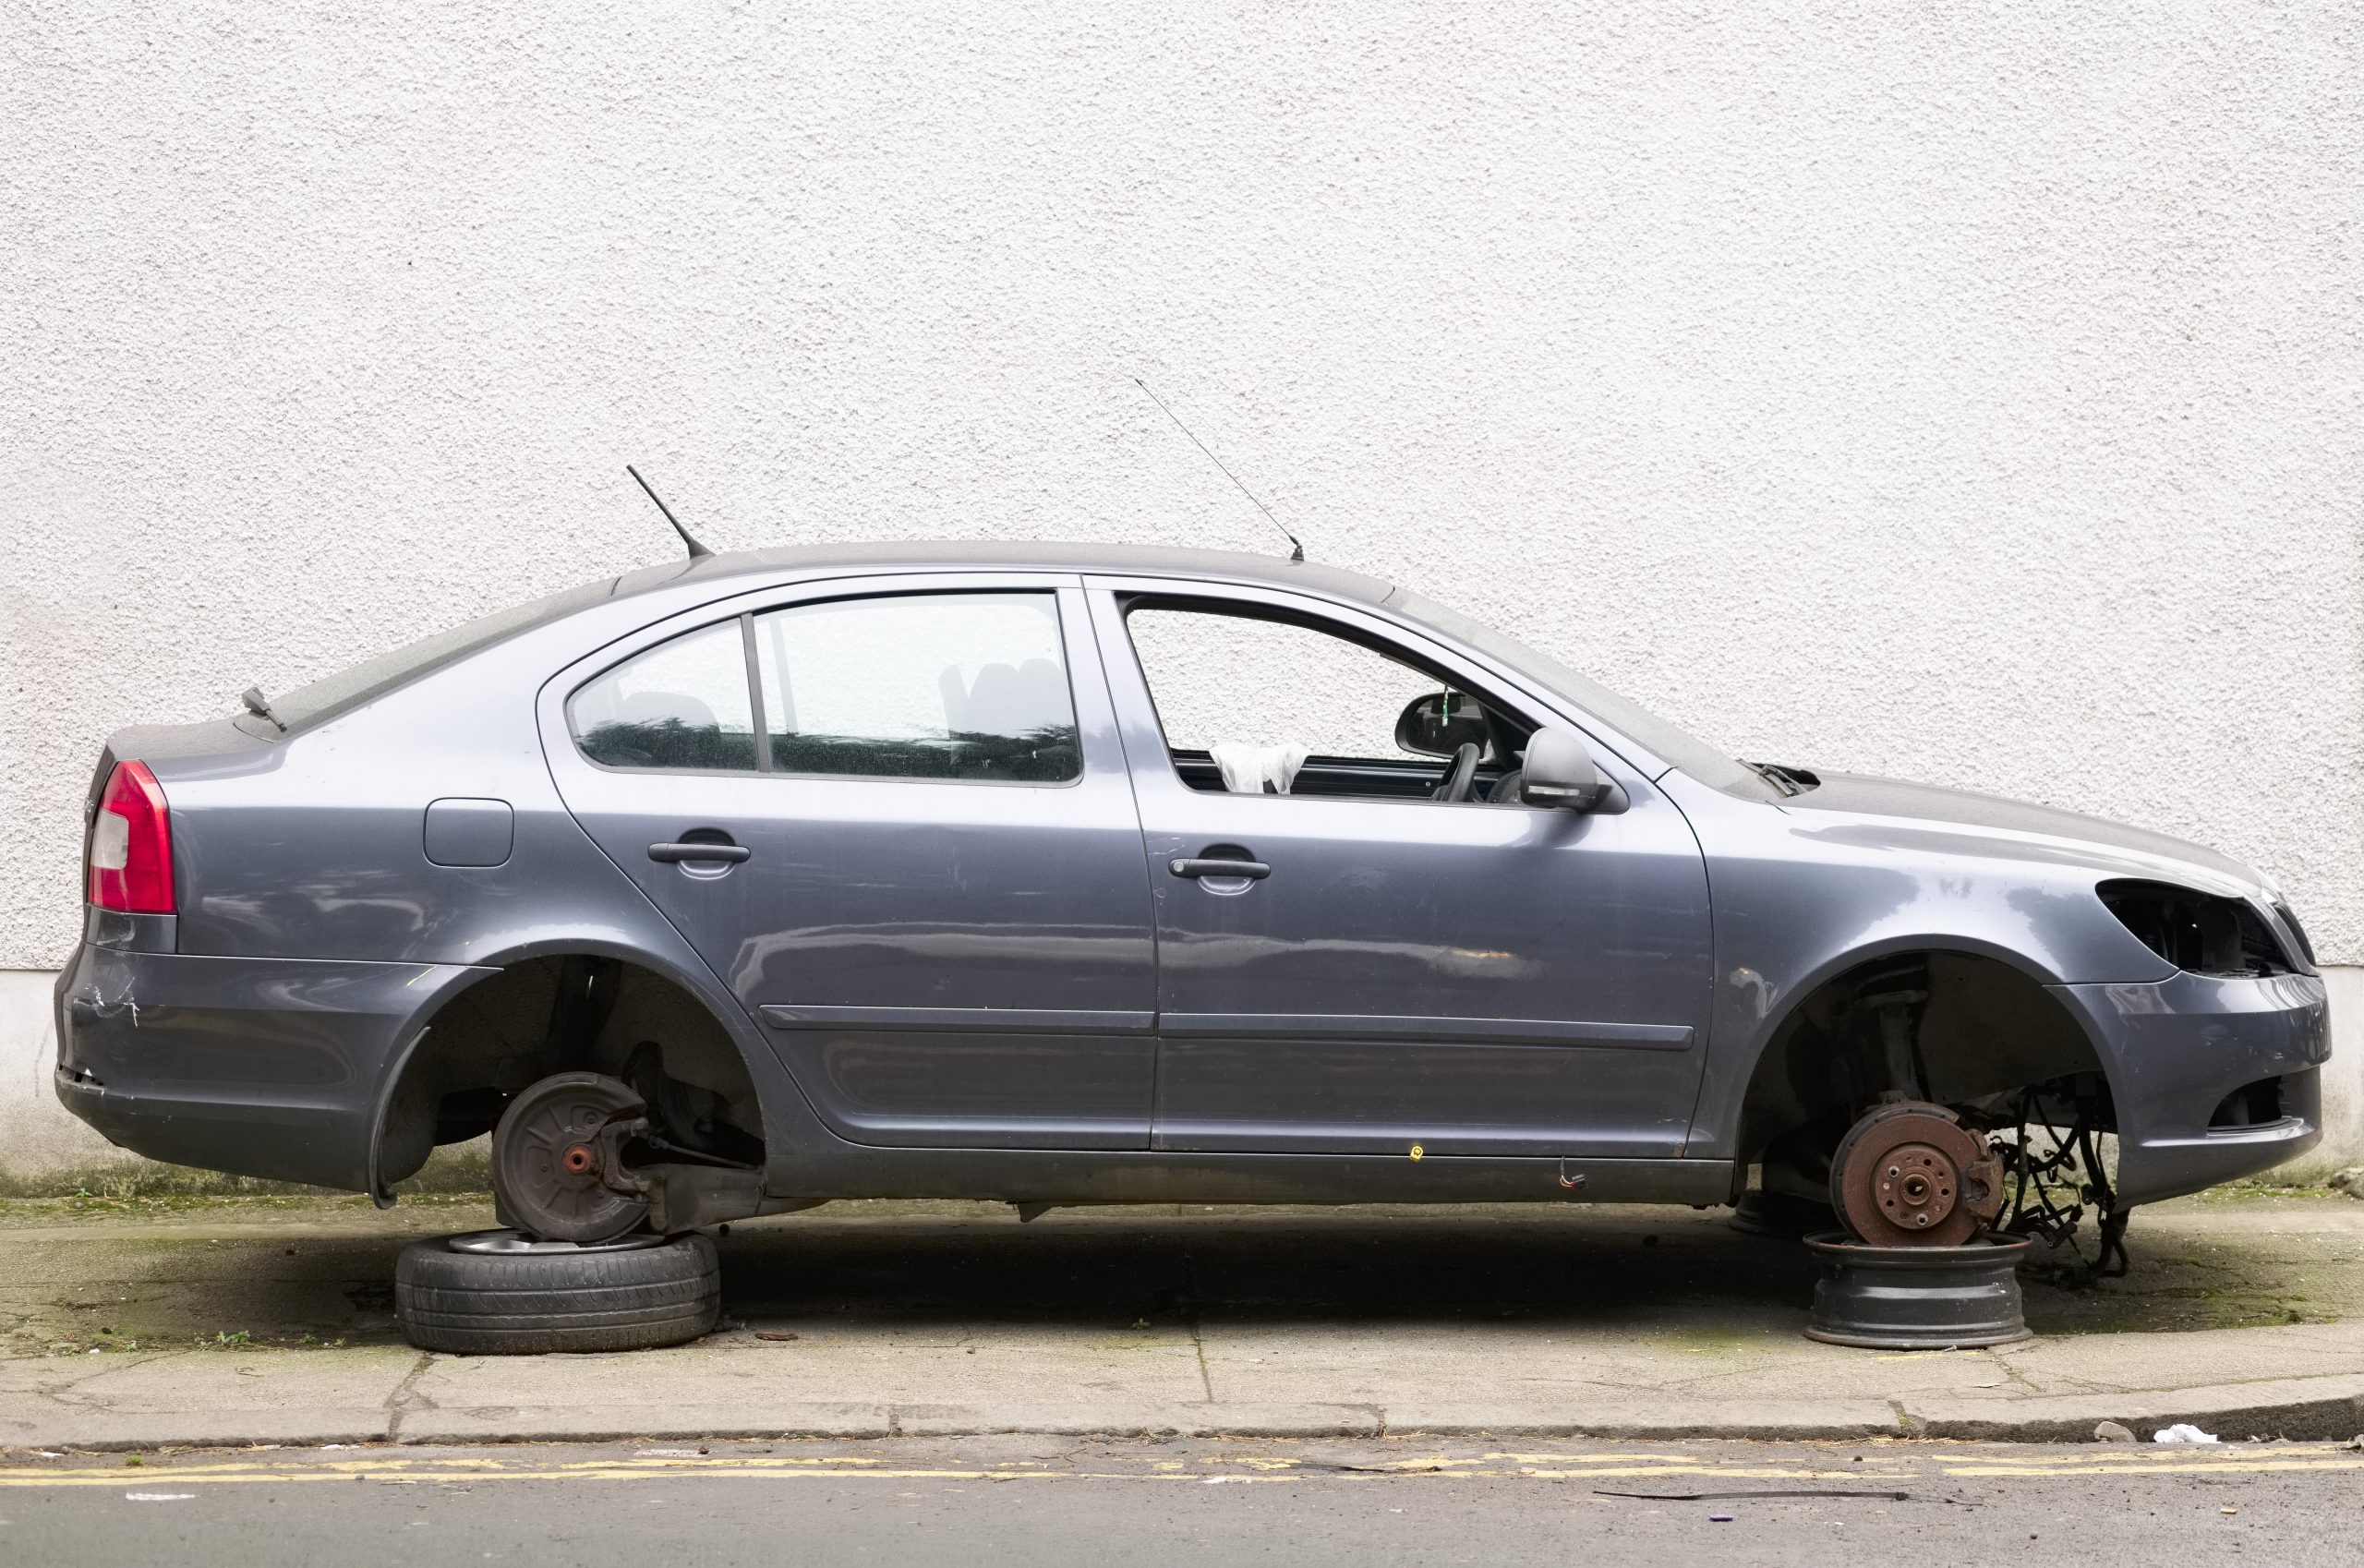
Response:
column 1092, row 601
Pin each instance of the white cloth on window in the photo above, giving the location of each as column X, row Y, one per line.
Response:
column 1258, row 771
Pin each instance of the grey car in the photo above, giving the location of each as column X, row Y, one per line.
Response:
column 1082, row 875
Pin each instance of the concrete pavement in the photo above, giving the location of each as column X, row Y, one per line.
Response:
column 270, row 1321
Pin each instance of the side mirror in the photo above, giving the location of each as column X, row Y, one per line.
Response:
column 1441, row 723
column 1559, row 771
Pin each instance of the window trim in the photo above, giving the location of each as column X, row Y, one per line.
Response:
column 642, row 643
column 756, row 720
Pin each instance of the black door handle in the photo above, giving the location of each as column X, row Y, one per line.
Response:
column 734, row 853
column 1252, row 871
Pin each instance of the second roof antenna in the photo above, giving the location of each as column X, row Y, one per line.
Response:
column 696, row 549
column 1297, row 551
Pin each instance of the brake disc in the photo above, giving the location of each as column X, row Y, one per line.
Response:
column 557, row 1167
column 1910, row 1175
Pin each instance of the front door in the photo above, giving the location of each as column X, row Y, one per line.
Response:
column 893, row 814
column 1472, row 978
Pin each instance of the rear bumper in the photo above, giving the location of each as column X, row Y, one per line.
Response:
column 2175, row 1050
column 270, row 1068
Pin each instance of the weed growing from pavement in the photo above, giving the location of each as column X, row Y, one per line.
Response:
column 2253, row 1189
column 31, row 1343
column 462, row 1173
column 48, row 1210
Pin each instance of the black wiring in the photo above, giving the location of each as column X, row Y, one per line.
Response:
column 2052, row 1192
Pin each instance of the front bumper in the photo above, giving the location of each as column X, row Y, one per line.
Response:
column 2175, row 1050
column 270, row 1068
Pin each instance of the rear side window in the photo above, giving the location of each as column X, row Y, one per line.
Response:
column 683, row 704
column 910, row 686
column 920, row 686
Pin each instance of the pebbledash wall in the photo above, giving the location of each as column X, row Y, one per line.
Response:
column 1972, row 394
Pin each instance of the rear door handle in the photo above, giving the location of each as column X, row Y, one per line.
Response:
column 1253, row 871
column 734, row 853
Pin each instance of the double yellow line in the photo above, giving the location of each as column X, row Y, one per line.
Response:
column 1881, row 1468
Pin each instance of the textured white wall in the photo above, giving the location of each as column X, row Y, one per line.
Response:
column 1967, row 393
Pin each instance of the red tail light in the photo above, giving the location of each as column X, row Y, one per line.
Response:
column 131, row 844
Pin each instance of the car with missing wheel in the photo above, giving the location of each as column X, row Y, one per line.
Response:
column 1085, row 874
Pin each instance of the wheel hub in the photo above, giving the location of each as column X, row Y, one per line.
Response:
column 559, row 1172
column 1910, row 1175
column 1916, row 1187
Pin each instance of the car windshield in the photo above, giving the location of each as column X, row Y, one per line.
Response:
column 332, row 694
column 1695, row 756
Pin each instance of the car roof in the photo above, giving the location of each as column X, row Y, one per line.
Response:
column 954, row 555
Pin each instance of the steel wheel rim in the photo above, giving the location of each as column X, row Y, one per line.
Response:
column 512, row 1243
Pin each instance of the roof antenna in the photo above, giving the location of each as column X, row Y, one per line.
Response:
column 1297, row 553
column 696, row 549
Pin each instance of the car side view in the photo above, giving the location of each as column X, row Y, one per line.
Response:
column 1085, row 874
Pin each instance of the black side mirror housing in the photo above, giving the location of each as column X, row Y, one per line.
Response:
column 1559, row 771
column 1441, row 723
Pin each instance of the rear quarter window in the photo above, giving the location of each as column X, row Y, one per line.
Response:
column 684, row 704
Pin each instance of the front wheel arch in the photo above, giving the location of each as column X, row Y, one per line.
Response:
column 1952, row 1024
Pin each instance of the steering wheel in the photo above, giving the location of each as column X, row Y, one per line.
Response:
column 1460, row 776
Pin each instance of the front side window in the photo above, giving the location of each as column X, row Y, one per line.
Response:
column 681, row 705
column 1220, row 680
column 920, row 686
column 1255, row 704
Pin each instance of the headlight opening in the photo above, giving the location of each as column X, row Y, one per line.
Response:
column 2198, row 933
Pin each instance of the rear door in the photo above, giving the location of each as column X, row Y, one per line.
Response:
column 922, row 870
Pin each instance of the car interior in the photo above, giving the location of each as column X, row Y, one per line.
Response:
column 1446, row 743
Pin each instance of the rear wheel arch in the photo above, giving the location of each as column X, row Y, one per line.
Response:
column 473, row 1046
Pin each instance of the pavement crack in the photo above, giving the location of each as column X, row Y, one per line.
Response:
column 401, row 1401
column 2019, row 1379
column 1190, row 1304
column 74, row 1392
column 2084, row 1386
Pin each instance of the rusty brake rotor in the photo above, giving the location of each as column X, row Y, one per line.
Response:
column 1910, row 1174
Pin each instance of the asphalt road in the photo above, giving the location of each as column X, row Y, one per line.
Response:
column 1051, row 1502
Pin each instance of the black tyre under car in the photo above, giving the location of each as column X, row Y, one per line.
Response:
column 495, row 1293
